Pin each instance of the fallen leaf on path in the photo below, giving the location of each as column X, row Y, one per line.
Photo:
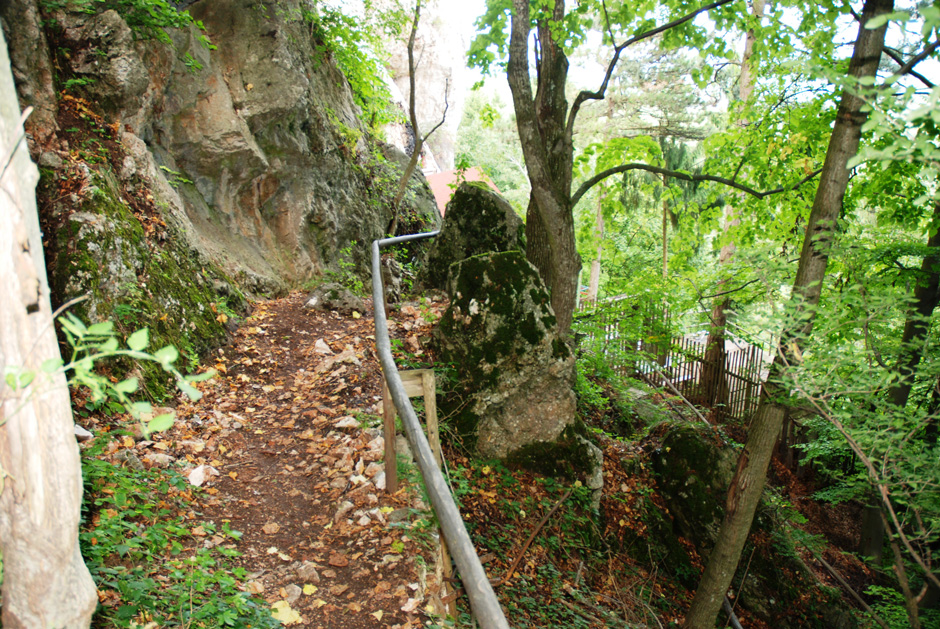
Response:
column 378, row 615
column 310, row 589
column 282, row 611
column 271, row 528
column 338, row 560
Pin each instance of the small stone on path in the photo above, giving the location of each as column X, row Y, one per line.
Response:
column 307, row 572
column 293, row 593
column 346, row 423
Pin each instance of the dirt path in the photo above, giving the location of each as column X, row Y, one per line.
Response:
column 300, row 474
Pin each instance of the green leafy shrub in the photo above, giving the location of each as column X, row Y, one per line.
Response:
column 144, row 558
column 148, row 19
column 353, row 44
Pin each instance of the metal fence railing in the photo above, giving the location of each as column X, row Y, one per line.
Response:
column 483, row 601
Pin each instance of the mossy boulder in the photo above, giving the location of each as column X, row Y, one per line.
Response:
column 333, row 296
column 477, row 220
column 517, row 372
column 694, row 468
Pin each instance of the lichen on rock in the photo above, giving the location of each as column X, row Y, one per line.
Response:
column 477, row 221
column 500, row 332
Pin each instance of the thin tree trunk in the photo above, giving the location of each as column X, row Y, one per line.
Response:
column 714, row 382
column 665, row 229
column 413, row 116
column 751, row 473
column 594, row 282
column 45, row 582
column 926, row 297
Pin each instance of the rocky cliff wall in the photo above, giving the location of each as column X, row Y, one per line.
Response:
column 441, row 76
column 252, row 150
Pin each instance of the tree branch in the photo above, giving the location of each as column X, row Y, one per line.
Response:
column 590, row 183
column 443, row 115
column 599, row 94
column 894, row 56
column 913, row 61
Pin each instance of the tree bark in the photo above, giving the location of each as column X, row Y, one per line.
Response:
column 546, row 146
column 751, row 473
column 45, row 582
column 714, row 382
column 926, row 297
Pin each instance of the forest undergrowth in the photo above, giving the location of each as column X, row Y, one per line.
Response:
column 264, row 504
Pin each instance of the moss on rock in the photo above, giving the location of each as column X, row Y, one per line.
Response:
column 516, row 371
column 477, row 221
column 103, row 250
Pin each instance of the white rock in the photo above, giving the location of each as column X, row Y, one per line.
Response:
column 373, row 469
column 158, row 459
column 82, row 435
column 379, row 480
column 201, row 474
column 344, row 508
column 320, row 347
column 293, row 593
column 347, row 423
column 307, row 572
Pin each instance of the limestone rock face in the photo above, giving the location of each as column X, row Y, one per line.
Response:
column 500, row 331
column 253, row 150
column 477, row 221
column 441, row 77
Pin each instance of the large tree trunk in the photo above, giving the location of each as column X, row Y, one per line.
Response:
column 45, row 582
column 548, row 154
column 748, row 482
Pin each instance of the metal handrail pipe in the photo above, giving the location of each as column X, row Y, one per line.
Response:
column 483, row 601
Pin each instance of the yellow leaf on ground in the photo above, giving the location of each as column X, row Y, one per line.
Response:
column 378, row 615
column 310, row 589
column 282, row 611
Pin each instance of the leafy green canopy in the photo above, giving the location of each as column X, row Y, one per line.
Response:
column 357, row 44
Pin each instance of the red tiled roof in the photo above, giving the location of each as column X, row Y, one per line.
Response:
column 441, row 184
